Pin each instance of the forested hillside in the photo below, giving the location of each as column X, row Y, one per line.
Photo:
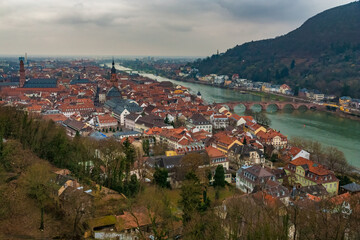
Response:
column 323, row 54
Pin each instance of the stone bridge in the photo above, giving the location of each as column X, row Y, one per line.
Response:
column 278, row 104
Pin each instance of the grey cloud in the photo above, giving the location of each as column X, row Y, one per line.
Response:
column 81, row 19
column 265, row 10
column 178, row 27
column 158, row 27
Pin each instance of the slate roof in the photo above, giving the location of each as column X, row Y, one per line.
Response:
column 151, row 121
column 76, row 125
column 198, row 119
column 80, row 81
column 259, row 171
column 118, row 105
column 275, row 189
column 244, row 150
column 314, row 190
column 41, row 83
column 8, row 84
column 113, row 92
column 164, row 161
column 148, row 109
column 132, row 116
column 352, row 187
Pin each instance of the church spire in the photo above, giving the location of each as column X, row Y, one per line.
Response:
column 113, row 72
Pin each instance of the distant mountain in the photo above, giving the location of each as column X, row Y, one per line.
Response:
column 324, row 53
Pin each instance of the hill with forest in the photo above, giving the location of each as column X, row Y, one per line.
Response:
column 321, row 54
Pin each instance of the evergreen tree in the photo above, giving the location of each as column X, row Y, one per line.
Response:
column 133, row 186
column 160, row 177
column 190, row 196
column 292, row 65
column 146, row 146
column 219, row 177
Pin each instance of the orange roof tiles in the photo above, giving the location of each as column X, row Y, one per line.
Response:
column 55, row 117
column 223, row 137
column 214, row 152
column 313, row 167
column 294, row 151
column 106, row 119
column 128, row 221
column 269, row 134
column 34, row 108
column 340, row 198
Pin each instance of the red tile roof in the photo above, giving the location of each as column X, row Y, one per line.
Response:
column 214, row 152
column 316, row 168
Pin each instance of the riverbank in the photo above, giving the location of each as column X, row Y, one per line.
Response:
column 271, row 97
column 265, row 96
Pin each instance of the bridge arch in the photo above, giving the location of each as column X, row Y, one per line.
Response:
column 240, row 108
column 270, row 107
column 289, row 106
column 313, row 107
column 302, row 107
column 256, row 107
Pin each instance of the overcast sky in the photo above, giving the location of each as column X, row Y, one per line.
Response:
column 146, row 27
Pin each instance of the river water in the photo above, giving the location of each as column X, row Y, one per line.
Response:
column 326, row 128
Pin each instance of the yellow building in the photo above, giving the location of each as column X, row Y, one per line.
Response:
column 224, row 142
column 170, row 153
column 344, row 101
column 306, row 172
column 254, row 128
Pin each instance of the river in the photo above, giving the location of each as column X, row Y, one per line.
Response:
column 326, row 128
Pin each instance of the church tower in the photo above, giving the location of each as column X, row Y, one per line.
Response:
column 113, row 78
column 22, row 72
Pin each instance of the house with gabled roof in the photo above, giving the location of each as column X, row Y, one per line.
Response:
column 305, row 172
column 73, row 126
column 253, row 127
column 295, row 152
column 106, row 121
column 284, row 89
column 223, row 142
column 217, row 157
column 273, row 138
column 146, row 122
column 219, row 121
column 199, row 122
column 245, row 155
column 130, row 120
column 248, row 177
column 122, row 107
